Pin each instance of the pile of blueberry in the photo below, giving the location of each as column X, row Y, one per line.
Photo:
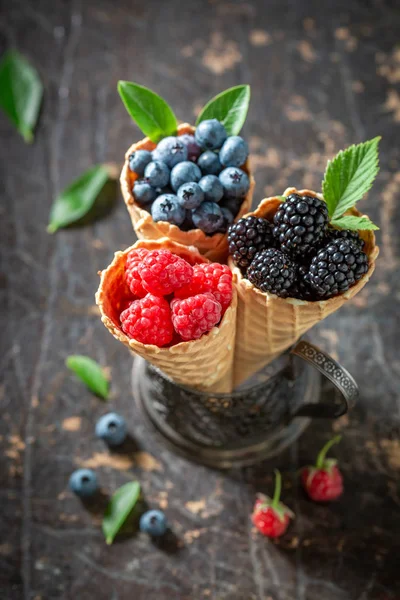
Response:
column 193, row 181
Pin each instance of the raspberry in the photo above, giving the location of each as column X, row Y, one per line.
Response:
column 247, row 237
column 336, row 267
column 132, row 276
column 323, row 482
column 148, row 321
column 272, row 271
column 271, row 516
column 214, row 278
column 196, row 315
column 300, row 224
column 163, row 272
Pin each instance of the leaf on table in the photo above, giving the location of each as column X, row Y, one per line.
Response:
column 229, row 107
column 119, row 508
column 21, row 93
column 90, row 372
column 354, row 223
column 349, row 176
column 78, row 198
column 149, row 111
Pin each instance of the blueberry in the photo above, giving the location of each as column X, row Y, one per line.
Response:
column 153, row 522
column 209, row 163
column 235, row 182
column 234, row 152
column 143, row 192
column 232, row 204
column 210, row 134
column 138, row 161
column 83, row 482
column 192, row 146
column 167, row 208
column 212, row 188
column 228, row 217
column 171, row 151
column 208, row 217
column 112, row 429
column 157, row 174
column 183, row 173
column 190, row 195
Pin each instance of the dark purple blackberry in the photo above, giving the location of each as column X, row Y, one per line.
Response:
column 344, row 234
column 300, row 224
column 247, row 237
column 272, row 271
column 337, row 267
column 301, row 288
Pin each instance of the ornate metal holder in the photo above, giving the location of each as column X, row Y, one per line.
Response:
column 252, row 423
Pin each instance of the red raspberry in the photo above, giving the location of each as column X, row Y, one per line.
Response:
column 196, row 315
column 271, row 517
column 163, row 272
column 132, row 276
column 212, row 277
column 323, row 482
column 148, row 321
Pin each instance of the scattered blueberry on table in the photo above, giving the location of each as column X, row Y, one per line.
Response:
column 83, row 482
column 112, row 429
column 154, row 523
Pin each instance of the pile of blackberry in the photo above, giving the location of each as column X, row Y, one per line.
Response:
column 298, row 255
column 193, row 181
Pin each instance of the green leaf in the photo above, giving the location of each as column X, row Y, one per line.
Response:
column 78, row 198
column 281, row 198
column 119, row 508
column 90, row 372
column 21, row 93
column 149, row 111
column 354, row 223
column 349, row 176
column 229, row 107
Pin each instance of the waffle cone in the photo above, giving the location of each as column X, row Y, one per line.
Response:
column 204, row 364
column 214, row 247
column 268, row 325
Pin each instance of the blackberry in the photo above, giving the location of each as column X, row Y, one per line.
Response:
column 337, row 267
column 301, row 287
column 300, row 224
column 247, row 237
column 344, row 234
column 272, row 271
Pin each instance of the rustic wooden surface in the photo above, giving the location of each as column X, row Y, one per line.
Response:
column 323, row 75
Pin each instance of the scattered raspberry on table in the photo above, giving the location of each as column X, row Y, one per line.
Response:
column 272, row 517
column 323, row 482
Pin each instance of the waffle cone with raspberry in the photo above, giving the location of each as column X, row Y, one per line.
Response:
column 214, row 247
column 268, row 325
column 206, row 363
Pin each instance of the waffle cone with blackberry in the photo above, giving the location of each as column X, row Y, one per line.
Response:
column 205, row 363
column 214, row 247
column 267, row 324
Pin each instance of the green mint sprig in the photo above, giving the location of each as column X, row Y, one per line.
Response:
column 119, row 508
column 156, row 119
column 229, row 107
column 90, row 372
column 347, row 178
column 21, row 93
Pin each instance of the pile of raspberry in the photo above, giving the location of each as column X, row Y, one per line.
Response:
column 173, row 301
column 299, row 255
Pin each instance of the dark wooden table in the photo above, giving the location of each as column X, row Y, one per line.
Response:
column 323, row 75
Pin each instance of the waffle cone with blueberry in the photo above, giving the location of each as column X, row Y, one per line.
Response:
column 213, row 246
column 204, row 363
column 267, row 323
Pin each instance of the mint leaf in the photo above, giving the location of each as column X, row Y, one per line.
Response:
column 354, row 223
column 229, row 107
column 119, row 508
column 349, row 176
column 21, row 93
column 78, row 198
column 149, row 111
column 90, row 372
